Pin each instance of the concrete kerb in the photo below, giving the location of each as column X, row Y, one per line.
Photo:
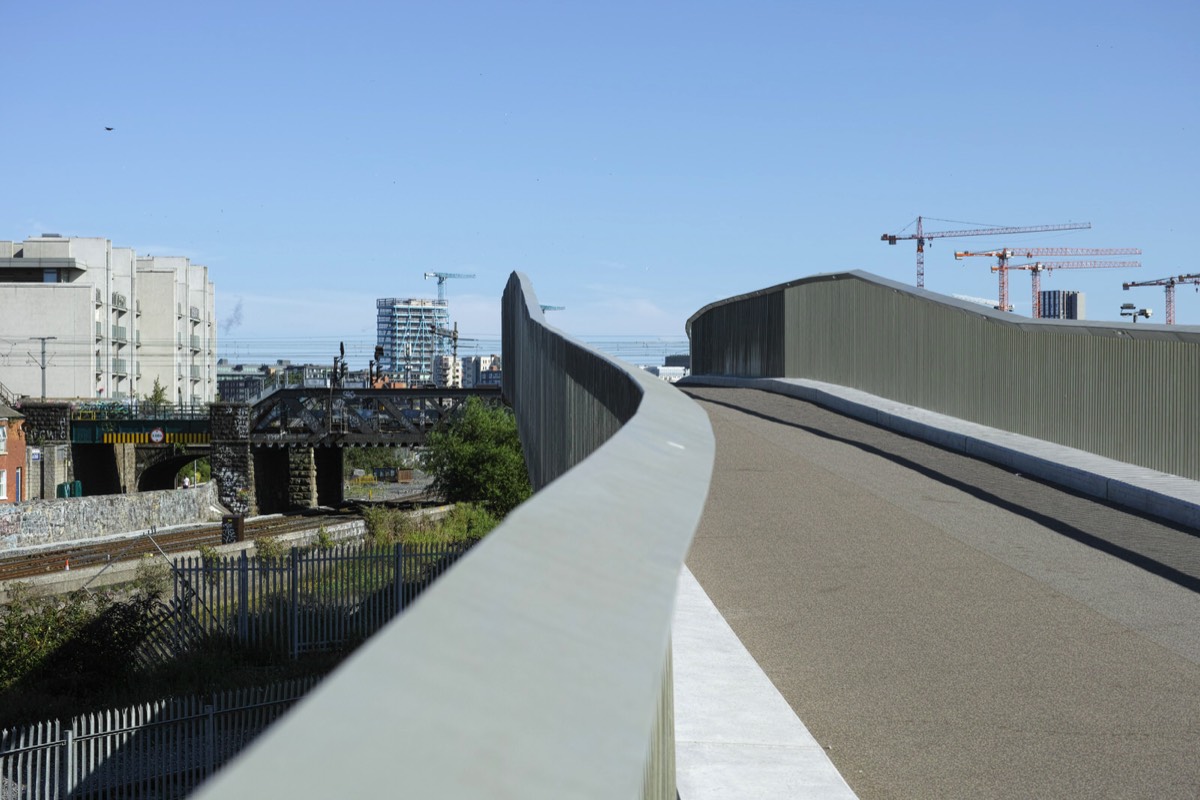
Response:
column 1148, row 491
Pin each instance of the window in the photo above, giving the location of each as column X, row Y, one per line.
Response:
column 3, row 437
column 3, row 484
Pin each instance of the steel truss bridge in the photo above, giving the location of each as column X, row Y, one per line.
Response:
column 357, row 417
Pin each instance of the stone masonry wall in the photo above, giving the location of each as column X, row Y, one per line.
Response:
column 46, row 522
column 232, row 463
column 302, row 478
column 46, row 422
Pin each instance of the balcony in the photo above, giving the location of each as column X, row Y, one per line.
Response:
column 137, row 338
column 99, row 298
column 179, row 339
column 119, row 301
column 195, row 343
column 119, row 367
column 119, row 333
column 194, row 314
column 194, row 373
column 99, row 330
column 137, row 307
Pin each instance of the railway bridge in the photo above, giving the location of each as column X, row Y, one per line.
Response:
column 283, row 452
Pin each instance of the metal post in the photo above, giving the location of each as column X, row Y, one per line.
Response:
column 399, row 573
column 69, row 745
column 42, row 363
column 244, row 599
column 210, row 738
column 295, row 604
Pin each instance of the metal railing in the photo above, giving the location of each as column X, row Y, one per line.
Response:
column 542, row 658
column 310, row 600
column 119, row 333
column 1087, row 385
column 119, row 301
column 194, row 313
column 162, row 749
column 119, row 366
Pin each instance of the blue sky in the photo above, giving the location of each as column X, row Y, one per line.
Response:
column 636, row 160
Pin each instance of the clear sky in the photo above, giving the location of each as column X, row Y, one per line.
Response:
column 636, row 159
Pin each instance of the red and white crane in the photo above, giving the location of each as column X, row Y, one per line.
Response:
column 923, row 235
column 1170, row 284
column 1003, row 256
column 1037, row 268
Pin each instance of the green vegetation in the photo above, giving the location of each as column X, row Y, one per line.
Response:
column 368, row 458
column 478, row 459
column 75, row 653
column 157, row 398
column 197, row 472
column 466, row 522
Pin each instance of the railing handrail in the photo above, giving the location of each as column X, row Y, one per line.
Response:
column 535, row 667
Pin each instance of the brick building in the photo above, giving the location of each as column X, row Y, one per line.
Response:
column 12, row 456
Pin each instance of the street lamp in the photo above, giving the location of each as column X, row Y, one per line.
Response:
column 1131, row 310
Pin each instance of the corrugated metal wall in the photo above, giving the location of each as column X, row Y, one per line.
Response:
column 1122, row 391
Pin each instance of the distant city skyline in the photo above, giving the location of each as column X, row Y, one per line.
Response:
column 637, row 161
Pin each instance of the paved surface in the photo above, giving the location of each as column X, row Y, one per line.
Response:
column 943, row 626
column 736, row 737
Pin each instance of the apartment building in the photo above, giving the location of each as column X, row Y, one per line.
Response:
column 80, row 318
column 407, row 330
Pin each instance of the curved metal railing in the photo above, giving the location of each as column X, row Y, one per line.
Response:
column 538, row 667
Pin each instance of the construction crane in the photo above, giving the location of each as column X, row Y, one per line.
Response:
column 922, row 235
column 1036, row 269
column 1170, row 284
column 441, row 279
column 552, row 308
column 1007, row 253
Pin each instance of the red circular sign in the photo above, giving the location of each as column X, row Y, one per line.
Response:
column 158, row 436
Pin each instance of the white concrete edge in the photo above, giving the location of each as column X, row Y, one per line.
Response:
column 1140, row 489
column 735, row 735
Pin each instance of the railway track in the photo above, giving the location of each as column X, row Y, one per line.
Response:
column 129, row 548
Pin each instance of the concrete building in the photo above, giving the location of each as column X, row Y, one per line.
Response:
column 109, row 321
column 1061, row 304
column 178, row 328
column 480, row 370
column 449, row 371
column 405, row 329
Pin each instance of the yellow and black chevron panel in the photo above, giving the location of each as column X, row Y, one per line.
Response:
column 169, row 438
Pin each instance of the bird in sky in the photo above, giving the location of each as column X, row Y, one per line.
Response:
column 107, row 128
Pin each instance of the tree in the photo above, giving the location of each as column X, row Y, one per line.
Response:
column 478, row 459
column 157, row 397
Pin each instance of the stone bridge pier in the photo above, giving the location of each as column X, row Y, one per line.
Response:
column 255, row 478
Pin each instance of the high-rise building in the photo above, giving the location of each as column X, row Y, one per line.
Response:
column 407, row 330
column 480, row 370
column 1061, row 304
column 96, row 321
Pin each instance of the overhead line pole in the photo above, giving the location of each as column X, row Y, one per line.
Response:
column 42, row 363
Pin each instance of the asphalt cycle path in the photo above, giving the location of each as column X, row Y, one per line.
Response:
column 947, row 628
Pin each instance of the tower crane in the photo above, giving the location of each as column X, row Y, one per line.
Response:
column 1003, row 256
column 922, row 235
column 552, row 308
column 441, row 282
column 1036, row 269
column 1169, row 283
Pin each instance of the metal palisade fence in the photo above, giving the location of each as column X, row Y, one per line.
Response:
column 305, row 601
column 156, row 750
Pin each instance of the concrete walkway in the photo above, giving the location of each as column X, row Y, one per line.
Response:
column 946, row 627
